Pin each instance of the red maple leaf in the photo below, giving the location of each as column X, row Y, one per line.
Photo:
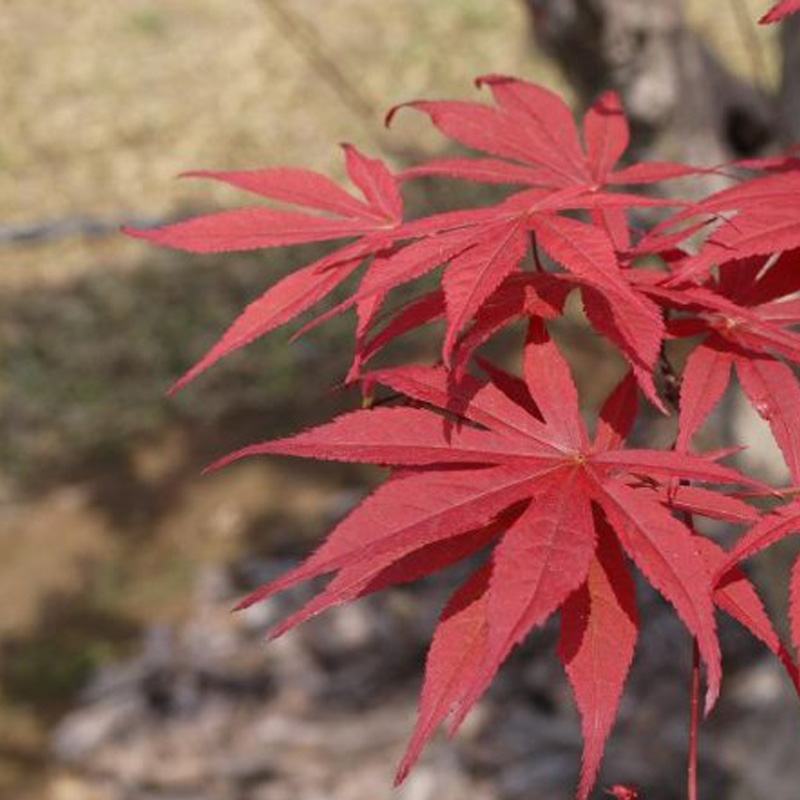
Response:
column 782, row 523
column 736, row 596
column 515, row 467
column 479, row 248
column 372, row 220
column 747, row 313
column 533, row 132
column 505, row 467
column 758, row 217
column 519, row 296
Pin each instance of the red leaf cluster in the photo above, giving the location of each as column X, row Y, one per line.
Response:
column 502, row 467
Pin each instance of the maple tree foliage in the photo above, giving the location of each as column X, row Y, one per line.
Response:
column 502, row 468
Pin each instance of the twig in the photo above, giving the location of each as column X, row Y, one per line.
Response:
column 672, row 388
column 537, row 262
column 52, row 230
column 309, row 43
column 694, row 724
column 672, row 382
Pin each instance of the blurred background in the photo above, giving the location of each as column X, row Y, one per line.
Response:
column 122, row 675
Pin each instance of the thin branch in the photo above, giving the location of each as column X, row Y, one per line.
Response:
column 309, row 43
column 672, row 381
column 694, row 724
column 537, row 261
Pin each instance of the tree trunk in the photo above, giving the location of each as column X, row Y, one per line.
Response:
column 790, row 81
column 683, row 102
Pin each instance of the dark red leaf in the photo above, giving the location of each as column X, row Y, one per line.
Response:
column 665, row 551
column 704, row 381
column 617, row 415
column 456, row 651
column 586, row 252
column 539, row 562
column 599, row 629
column 417, row 313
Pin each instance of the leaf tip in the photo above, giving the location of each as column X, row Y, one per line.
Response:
column 242, row 605
column 712, row 695
column 217, row 465
column 390, row 114
column 277, row 631
column 489, row 79
column 401, row 775
column 410, row 758
column 178, row 385
column 135, row 233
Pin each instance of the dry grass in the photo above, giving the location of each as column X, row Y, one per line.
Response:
column 104, row 103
